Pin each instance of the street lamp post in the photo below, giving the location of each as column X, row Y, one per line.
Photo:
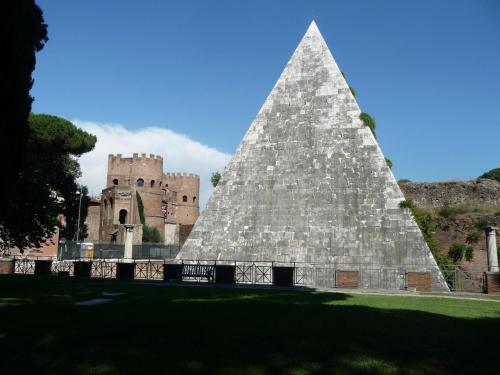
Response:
column 79, row 193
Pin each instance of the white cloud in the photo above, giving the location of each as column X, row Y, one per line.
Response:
column 180, row 153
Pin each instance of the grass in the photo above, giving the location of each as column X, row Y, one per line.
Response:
column 157, row 329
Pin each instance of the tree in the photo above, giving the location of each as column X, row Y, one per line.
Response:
column 46, row 185
column 493, row 174
column 140, row 206
column 23, row 32
column 215, row 178
column 71, row 206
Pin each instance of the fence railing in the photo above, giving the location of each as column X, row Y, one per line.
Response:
column 262, row 273
column 72, row 250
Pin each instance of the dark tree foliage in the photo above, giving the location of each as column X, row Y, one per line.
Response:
column 215, row 178
column 493, row 174
column 140, row 206
column 368, row 121
column 71, row 205
column 389, row 163
column 23, row 32
column 46, row 185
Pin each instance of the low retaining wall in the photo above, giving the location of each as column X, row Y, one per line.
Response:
column 250, row 273
column 492, row 282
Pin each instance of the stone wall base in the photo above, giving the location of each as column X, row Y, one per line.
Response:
column 421, row 281
column 6, row 266
column 347, row 279
column 492, row 282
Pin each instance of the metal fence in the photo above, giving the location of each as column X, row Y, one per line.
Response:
column 261, row 273
column 71, row 250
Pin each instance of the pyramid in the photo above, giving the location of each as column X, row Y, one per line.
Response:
column 309, row 184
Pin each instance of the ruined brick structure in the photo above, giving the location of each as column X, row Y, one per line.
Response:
column 170, row 200
column 476, row 193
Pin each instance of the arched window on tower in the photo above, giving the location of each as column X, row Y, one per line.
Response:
column 115, row 181
column 140, row 182
column 152, row 183
column 194, row 199
column 123, row 216
column 184, row 198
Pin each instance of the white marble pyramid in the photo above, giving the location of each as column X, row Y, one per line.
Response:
column 309, row 183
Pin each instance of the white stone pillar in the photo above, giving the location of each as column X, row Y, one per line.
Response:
column 491, row 249
column 129, row 238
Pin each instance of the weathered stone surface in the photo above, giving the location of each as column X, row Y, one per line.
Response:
column 309, row 183
column 480, row 192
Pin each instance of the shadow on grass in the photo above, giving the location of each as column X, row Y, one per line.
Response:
column 153, row 330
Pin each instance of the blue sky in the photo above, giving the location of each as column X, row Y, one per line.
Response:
column 428, row 71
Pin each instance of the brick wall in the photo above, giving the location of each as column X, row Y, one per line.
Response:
column 347, row 279
column 422, row 281
column 492, row 282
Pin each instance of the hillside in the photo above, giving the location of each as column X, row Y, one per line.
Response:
column 460, row 210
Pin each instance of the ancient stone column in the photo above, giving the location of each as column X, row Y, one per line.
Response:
column 129, row 237
column 491, row 249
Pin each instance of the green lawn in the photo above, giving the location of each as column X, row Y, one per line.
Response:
column 158, row 329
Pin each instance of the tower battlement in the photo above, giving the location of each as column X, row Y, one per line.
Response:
column 181, row 175
column 135, row 156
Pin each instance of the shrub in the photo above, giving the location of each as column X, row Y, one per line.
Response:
column 493, row 174
column 482, row 223
column 451, row 211
column 473, row 237
column 215, row 178
column 389, row 163
column 353, row 92
column 426, row 225
column 151, row 234
column 368, row 121
column 407, row 204
column 469, row 253
column 457, row 252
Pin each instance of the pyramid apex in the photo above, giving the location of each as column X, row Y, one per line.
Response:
column 313, row 28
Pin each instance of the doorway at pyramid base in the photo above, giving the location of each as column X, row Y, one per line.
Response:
column 336, row 274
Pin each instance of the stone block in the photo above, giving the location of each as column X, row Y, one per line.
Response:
column 82, row 269
column 172, row 272
column 283, row 276
column 125, row 271
column 6, row 266
column 43, row 267
column 225, row 274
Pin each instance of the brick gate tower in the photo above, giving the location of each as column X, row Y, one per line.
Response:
column 169, row 200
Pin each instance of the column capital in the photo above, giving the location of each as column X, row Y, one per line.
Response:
column 490, row 230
